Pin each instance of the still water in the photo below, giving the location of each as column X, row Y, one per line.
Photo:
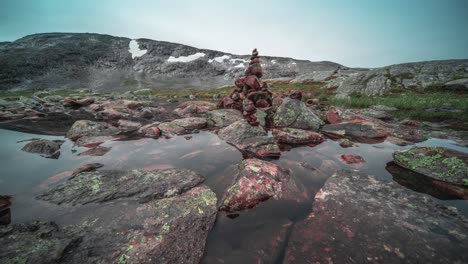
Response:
column 24, row 175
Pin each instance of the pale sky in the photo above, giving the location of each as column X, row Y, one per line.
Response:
column 355, row 33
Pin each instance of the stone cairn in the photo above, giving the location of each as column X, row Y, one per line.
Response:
column 250, row 92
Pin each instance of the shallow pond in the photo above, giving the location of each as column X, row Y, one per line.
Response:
column 24, row 175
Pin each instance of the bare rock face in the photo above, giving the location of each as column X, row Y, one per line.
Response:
column 418, row 75
column 257, row 181
column 46, row 148
column 358, row 218
column 359, row 130
column 182, row 126
column 296, row 136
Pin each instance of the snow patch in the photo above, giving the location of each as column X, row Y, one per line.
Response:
column 240, row 65
column 219, row 59
column 188, row 58
column 236, row 60
column 135, row 50
column 293, row 63
column 273, row 61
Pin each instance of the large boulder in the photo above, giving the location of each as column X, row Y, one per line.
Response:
column 257, row 181
column 437, row 163
column 359, row 218
column 44, row 147
column 251, row 140
column 91, row 128
column 295, row 114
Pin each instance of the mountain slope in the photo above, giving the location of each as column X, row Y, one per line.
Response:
column 85, row 60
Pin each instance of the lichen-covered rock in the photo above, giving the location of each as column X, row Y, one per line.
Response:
column 257, row 181
column 359, row 218
column 223, row 117
column 36, row 242
column 101, row 186
column 166, row 230
column 183, row 125
column 297, row 136
column 46, row 148
column 361, row 131
column 435, row 162
column 88, row 128
column 351, row 158
column 295, row 114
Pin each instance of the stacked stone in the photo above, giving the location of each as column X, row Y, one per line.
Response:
column 249, row 88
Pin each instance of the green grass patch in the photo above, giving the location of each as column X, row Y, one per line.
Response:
column 412, row 105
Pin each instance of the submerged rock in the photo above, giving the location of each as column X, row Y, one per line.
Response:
column 435, row 162
column 100, row 186
column 46, row 148
column 359, row 218
column 257, row 181
column 351, row 158
column 295, row 114
column 88, row 128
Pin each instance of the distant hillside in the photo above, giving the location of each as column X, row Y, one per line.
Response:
column 82, row 60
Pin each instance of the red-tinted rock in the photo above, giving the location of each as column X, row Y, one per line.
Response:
column 96, row 151
column 332, row 116
column 358, row 218
column 194, row 108
column 259, row 180
column 78, row 104
column 5, row 201
column 88, row 128
column 91, row 142
column 351, row 158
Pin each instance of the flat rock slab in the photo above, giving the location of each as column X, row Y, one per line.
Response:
column 100, row 186
column 182, row 126
column 194, row 108
column 361, row 131
column 296, row 136
column 259, row 180
column 360, row 219
column 435, row 162
column 168, row 230
column 294, row 113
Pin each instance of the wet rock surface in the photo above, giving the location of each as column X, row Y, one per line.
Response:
column 360, row 131
column 257, row 181
column 46, row 148
column 102, row 185
column 387, row 222
column 252, row 140
column 436, row 162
